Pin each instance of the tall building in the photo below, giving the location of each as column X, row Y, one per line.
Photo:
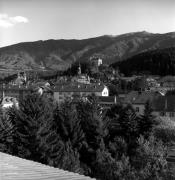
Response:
column 95, row 63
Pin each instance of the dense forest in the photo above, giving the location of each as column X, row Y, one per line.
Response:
column 156, row 62
column 82, row 137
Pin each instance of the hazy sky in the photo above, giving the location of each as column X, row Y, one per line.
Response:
column 31, row 20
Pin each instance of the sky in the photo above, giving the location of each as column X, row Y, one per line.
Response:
column 32, row 20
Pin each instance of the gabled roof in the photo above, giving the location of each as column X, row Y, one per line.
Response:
column 79, row 88
column 135, row 97
column 145, row 96
column 14, row 168
column 106, row 99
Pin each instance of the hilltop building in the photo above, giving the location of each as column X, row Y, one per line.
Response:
column 95, row 63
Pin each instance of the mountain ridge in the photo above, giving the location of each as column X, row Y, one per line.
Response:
column 59, row 54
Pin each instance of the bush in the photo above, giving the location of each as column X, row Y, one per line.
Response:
column 165, row 130
column 108, row 168
column 150, row 160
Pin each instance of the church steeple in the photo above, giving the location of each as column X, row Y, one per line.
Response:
column 79, row 69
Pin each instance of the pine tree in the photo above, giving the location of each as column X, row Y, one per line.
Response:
column 56, row 152
column 6, row 133
column 69, row 125
column 147, row 120
column 32, row 113
column 128, row 122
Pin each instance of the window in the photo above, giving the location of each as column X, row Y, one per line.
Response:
column 162, row 113
column 137, row 109
column 171, row 114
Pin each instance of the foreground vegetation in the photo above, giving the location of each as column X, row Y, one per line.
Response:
column 112, row 144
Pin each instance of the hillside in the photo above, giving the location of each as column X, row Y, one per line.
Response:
column 59, row 54
column 157, row 62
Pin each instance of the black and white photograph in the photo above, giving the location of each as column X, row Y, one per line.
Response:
column 87, row 89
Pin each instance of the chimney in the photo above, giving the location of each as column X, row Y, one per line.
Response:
column 3, row 93
column 115, row 99
column 166, row 104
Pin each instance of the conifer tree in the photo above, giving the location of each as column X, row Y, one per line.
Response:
column 6, row 133
column 55, row 151
column 69, row 125
column 147, row 120
column 128, row 122
column 94, row 127
column 93, row 122
column 33, row 111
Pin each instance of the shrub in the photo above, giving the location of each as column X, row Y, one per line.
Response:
column 150, row 160
column 165, row 130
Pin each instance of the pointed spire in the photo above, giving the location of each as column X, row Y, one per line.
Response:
column 79, row 69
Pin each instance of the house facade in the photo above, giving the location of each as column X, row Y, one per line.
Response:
column 164, row 106
column 138, row 100
column 70, row 91
column 14, row 91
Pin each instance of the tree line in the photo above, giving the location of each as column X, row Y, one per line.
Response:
column 157, row 62
column 83, row 137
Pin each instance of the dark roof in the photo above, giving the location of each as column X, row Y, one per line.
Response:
column 79, row 88
column 135, row 97
column 15, row 168
column 164, row 103
column 106, row 99
column 17, row 88
column 143, row 97
column 130, row 97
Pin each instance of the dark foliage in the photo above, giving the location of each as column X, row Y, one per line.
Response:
column 157, row 62
column 82, row 137
column 147, row 120
column 73, row 70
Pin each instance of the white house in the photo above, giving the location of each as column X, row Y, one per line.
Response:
column 8, row 102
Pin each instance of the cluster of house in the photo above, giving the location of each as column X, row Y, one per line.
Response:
column 80, row 86
column 60, row 92
column 162, row 105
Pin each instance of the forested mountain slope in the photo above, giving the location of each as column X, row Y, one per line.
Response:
column 59, row 54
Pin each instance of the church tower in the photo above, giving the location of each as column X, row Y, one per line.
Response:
column 79, row 69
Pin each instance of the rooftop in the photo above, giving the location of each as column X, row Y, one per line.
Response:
column 107, row 99
column 14, row 168
column 136, row 97
column 79, row 88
